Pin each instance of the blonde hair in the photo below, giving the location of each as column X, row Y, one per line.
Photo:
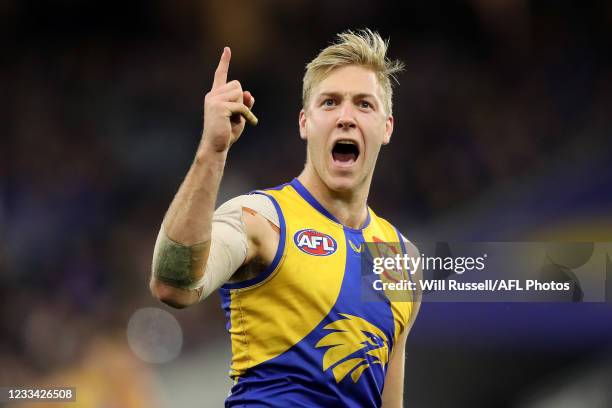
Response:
column 364, row 48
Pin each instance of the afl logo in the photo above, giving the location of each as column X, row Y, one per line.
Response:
column 314, row 242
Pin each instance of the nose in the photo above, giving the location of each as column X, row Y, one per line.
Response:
column 346, row 119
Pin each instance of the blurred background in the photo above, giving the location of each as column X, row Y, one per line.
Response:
column 501, row 135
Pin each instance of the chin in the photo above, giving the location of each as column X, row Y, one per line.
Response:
column 342, row 183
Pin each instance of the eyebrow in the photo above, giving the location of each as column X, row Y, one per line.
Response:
column 338, row 94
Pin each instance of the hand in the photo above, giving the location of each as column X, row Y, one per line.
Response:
column 227, row 108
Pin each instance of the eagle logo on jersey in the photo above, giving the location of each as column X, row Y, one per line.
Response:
column 314, row 242
column 354, row 345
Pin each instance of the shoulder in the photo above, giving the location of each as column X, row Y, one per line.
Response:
column 410, row 247
column 251, row 213
column 259, row 222
column 258, row 203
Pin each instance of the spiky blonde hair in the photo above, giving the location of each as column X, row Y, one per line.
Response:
column 364, row 48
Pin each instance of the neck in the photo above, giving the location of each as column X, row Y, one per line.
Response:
column 349, row 207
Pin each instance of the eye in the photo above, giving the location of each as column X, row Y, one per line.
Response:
column 329, row 102
column 365, row 104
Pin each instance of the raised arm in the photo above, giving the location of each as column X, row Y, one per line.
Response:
column 184, row 239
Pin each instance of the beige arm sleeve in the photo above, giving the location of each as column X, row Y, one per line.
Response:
column 228, row 248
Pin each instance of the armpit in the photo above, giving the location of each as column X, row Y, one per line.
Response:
column 229, row 241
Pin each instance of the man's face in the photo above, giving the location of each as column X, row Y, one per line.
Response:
column 345, row 124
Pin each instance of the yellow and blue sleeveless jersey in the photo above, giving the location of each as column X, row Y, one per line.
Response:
column 307, row 332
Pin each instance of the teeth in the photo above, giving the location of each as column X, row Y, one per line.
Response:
column 345, row 142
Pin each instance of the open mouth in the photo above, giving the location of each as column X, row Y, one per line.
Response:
column 345, row 152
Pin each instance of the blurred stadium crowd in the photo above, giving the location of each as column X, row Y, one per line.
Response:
column 103, row 109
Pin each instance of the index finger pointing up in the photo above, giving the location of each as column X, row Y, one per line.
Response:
column 221, row 72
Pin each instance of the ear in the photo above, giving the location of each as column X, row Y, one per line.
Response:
column 302, row 123
column 388, row 130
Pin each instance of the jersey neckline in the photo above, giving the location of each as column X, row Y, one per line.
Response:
column 309, row 198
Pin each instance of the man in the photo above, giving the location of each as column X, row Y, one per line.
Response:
column 287, row 261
